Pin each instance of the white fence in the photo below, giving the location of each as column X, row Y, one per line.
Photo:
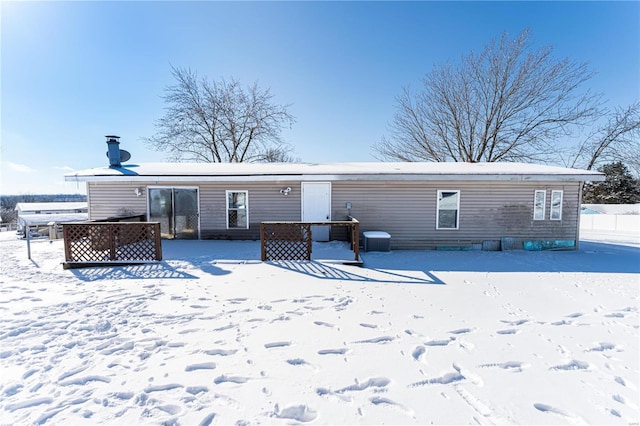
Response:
column 610, row 222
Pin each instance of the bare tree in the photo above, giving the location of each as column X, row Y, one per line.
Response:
column 617, row 140
column 220, row 121
column 508, row 103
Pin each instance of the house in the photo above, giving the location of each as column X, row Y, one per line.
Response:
column 421, row 205
column 38, row 215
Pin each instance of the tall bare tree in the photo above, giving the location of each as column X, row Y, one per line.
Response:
column 220, row 121
column 508, row 103
column 617, row 140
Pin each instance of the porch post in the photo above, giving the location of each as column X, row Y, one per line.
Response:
column 263, row 252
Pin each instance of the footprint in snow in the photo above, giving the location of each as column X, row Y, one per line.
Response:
column 381, row 340
column 221, row 352
column 559, row 412
column 440, row 342
column 515, row 366
column 201, row 366
column 207, row 419
column 237, row 300
column 374, row 382
column 619, row 398
column 230, row 379
column 461, row 331
column 622, row 382
column 508, row 331
column 194, row 390
column 517, row 322
column 442, row 380
column 160, row 388
column 368, row 325
column 297, row 361
column 459, row 375
column 379, row 400
column 340, row 351
column 84, row 380
column 603, row 346
column 573, row 365
column 28, row 403
column 276, row 345
column 300, row 413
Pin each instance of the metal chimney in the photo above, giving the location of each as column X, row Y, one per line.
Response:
column 113, row 153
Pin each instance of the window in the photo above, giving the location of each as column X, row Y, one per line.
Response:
column 237, row 209
column 539, row 205
column 556, row 205
column 448, row 206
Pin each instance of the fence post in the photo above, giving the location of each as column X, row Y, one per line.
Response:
column 356, row 240
column 263, row 252
column 309, row 241
column 67, row 242
column 28, row 242
column 158, row 242
column 112, row 242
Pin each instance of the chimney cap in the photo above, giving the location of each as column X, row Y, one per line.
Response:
column 112, row 137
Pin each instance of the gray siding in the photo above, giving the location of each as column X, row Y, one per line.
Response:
column 406, row 210
column 265, row 203
column 108, row 199
column 488, row 211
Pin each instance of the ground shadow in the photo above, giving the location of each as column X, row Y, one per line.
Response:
column 401, row 266
column 590, row 257
column 327, row 271
column 160, row 270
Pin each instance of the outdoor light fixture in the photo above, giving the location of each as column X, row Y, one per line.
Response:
column 285, row 191
column 137, row 191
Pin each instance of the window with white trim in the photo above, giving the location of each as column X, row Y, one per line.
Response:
column 539, row 204
column 447, row 216
column 237, row 209
column 556, row 205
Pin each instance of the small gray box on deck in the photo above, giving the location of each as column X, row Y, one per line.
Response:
column 376, row 241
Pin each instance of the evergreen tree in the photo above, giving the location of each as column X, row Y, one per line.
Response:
column 619, row 187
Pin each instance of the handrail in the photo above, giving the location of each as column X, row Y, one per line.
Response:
column 109, row 242
column 301, row 232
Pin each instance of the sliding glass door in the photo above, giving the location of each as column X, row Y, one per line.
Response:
column 177, row 211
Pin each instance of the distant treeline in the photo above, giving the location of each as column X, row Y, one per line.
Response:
column 8, row 202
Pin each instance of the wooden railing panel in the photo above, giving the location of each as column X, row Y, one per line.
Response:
column 112, row 242
column 285, row 241
column 293, row 240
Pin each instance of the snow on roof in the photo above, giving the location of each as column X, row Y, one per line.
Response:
column 44, row 219
column 614, row 208
column 63, row 206
column 333, row 171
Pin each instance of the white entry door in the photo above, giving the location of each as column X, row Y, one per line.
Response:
column 316, row 207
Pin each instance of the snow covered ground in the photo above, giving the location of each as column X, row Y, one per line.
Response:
column 213, row 336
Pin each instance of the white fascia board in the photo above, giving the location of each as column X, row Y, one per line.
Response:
column 345, row 177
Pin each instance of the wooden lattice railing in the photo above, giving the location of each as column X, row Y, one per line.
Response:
column 109, row 242
column 293, row 240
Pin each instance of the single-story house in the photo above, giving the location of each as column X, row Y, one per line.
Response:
column 41, row 214
column 421, row 205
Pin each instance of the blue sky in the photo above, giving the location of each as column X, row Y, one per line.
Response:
column 72, row 72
